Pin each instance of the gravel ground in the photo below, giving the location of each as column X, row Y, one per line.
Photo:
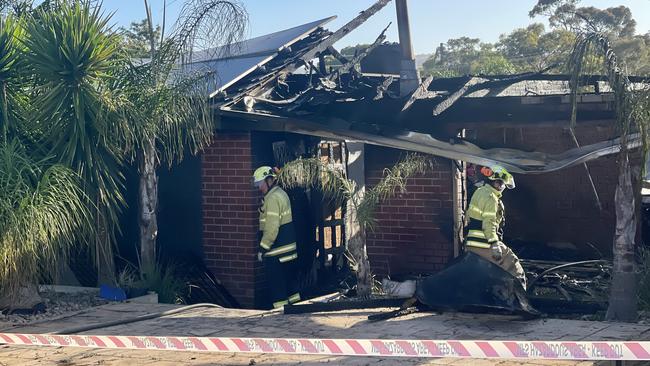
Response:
column 56, row 305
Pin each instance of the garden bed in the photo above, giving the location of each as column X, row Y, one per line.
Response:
column 56, row 304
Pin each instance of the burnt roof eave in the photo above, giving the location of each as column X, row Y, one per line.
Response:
column 468, row 112
column 517, row 161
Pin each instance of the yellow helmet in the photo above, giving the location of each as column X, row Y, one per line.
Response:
column 262, row 173
column 497, row 172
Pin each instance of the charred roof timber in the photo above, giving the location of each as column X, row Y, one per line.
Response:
column 291, row 94
column 315, row 50
column 346, row 29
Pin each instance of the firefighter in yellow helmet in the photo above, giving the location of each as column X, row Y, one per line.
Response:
column 277, row 244
column 486, row 214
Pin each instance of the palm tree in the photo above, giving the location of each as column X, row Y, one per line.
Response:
column 168, row 111
column 362, row 206
column 633, row 116
column 73, row 55
column 43, row 209
column 98, row 109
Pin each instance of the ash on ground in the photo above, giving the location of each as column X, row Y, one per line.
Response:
column 55, row 304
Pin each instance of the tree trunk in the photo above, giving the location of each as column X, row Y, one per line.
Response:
column 104, row 258
column 623, row 293
column 357, row 247
column 148, row 206
column 355, row 234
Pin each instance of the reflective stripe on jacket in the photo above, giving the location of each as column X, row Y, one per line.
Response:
column 276, row 225
column 485, row 212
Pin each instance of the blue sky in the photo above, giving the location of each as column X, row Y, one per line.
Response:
column 432, row 21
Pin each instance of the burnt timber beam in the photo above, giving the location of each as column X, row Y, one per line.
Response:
column 337, row 55
column 323, row 45
column 421, row 92
column 584, row 79
column 261, row 85
column 514, row 160
column 356, row 59
column 344, row 30
column 499, row 81
column 383, row 88
column 450, row 100
column 517, row 124
column 476, row 83
column 321, row 64
column 297, row 101
column 230, row 123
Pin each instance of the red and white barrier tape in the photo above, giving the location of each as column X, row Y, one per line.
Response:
column 350, row 347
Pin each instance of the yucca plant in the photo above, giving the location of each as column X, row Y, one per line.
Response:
column 94, row 110
column 168, row 111
column 361, row 205
column 12, row 94
column 73, row 55
column 632, row 106
column 43, row 212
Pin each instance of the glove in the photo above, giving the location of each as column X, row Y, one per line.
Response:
column 497, row 251
column 259, row 256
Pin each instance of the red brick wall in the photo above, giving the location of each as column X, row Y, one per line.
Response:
column 230, row 214
column 414, row 230
column 559, row 206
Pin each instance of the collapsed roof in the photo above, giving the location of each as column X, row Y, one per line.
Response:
column 292, row 90
column 231, row 63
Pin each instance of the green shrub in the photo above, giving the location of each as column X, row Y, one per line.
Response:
column 162, row 279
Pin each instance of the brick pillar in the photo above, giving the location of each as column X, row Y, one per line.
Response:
column 230, row 214
column 414, row 231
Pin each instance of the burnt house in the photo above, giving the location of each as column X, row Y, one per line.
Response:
column 278, row 101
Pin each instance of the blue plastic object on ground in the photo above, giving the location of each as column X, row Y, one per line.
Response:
column 112, row 293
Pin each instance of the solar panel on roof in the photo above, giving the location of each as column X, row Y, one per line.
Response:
column 228, row 64
column 222, row 73
column 266, row 44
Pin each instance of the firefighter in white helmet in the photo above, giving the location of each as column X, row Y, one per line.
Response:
column 277, row 244
column 486, row 214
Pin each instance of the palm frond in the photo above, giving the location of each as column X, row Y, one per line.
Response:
column 393, row 182
column 169, row 103
column 12, row 95
column 43, row 212
column 207, row 25
column 629, row 103
column 72, row 54
column 312, row 173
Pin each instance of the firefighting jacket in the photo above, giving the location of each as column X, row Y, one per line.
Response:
column 486, row 216
column 278, row 236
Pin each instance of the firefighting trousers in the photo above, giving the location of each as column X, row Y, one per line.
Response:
column 508, row 260
column 282, row 281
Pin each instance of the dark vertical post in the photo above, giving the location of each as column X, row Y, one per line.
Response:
column 459, row 199
column 409, row 76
